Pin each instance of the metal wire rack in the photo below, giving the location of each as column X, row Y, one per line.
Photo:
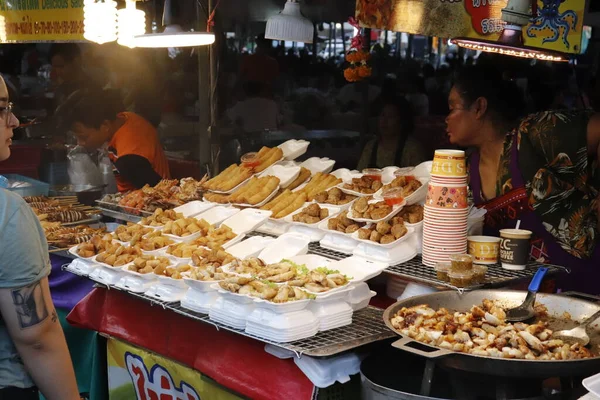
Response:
column 120, row 215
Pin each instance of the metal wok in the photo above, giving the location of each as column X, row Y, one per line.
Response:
column 557, row 307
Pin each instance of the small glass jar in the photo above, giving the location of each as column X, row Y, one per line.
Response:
column 479, row 272
column 461, row 279
column 373, row 173
column 461, row 262
column 442, row 270
column 250, row 160
column 393, row 196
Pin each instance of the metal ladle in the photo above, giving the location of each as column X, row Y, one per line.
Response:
column 577, row 334
column 525, row 311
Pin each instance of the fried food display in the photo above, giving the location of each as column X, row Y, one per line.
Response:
column 302, row 177
column 173, row 272
column 251, row 265
column 324, row 279
column 61, row 214
column 216, row 257
column 153, row 241
column 117, row 255
column 343, row 224
column 286, row 203
column 264, row 290
column 364, row 185
column 412, row 214
column 207, row 273
column 167, row 194
column 61, row 236
column 217, row 198
column 216, row 238
column 149, row 264
column 361, row 208
column 312, row 214
column 483, row 331
column 408, row 183
column 255, row 191
column 334, row 197
column 318, row 183
column 131, row 232
column 182, row 250
column 229, row 178
column 267, row 156
column 94, row 246
column 161, row 217
column 186, row 226
column 384, row 232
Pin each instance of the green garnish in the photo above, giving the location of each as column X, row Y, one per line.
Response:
column 270, row 284
column 300, row 269
column 326, row 271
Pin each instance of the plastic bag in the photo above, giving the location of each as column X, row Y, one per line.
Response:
column 82, row 169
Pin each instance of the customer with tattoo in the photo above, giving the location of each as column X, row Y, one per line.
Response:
column 33, row 351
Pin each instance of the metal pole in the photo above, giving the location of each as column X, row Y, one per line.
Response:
column 398, row 44
column 343, row 38
column 314, row 43
column 204, row 120
column 365, row 88
column 330, row 37
column 334, row 39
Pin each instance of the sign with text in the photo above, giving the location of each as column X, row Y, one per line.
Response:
column 557, row 26
column 134, row 373
column 24, row 21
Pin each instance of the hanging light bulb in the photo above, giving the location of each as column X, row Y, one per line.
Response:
column 131, row 22
column 100, row 21
column 290, row 25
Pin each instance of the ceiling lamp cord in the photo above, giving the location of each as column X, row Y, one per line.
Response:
column 211, row 18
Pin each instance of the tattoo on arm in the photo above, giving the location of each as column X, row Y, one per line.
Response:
column 30, row 305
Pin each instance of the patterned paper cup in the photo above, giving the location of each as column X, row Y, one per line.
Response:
column 447, row 196
column 450, row 163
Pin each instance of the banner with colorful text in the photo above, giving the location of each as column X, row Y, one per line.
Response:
column 558, row 25
column 24, row 21
column 134, row 373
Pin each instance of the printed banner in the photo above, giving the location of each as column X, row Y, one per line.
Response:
column 134, row 373
column 41, row 21
column 558, row 25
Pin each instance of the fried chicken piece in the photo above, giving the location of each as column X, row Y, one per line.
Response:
column 321, row 197
column 361, row 205
column 399, row 230
column 383, row 227
column 352, row 228
column 364, row 234
column 386, row 239
column 375, row 236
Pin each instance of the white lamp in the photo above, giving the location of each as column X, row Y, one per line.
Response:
column 131, row 22
column 173, row 35
column 290, row 25
column 100, row 21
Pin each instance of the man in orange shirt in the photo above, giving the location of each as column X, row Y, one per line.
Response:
column 134, row 148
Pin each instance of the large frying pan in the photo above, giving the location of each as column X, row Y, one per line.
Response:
column 557, row 307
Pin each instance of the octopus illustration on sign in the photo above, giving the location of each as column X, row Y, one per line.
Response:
column 549, row 17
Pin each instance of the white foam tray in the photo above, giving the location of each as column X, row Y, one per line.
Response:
column 218, row 214
column 286, row 174
column 286, row 246
column 250, row 247
column 395, row 210
column 316, row 164
column 247, row 220
column 193, row 208
column 293, row 148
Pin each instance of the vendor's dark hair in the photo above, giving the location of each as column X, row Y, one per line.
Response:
column 504, row 98
column 90, row 107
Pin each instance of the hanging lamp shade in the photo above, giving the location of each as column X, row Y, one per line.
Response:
column 290, row 25
column 100, row 21
column 173, row 35
column 131, row 22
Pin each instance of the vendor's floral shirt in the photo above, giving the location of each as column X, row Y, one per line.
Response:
column 561, row 182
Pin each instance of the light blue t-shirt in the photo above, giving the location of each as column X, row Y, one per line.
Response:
column 24, row 260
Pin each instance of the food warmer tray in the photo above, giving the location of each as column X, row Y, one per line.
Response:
column 414, row 270
column 557, row 305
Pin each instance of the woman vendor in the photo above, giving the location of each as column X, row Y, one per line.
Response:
column 394, row 144
column 540, row 170
column 96, row 118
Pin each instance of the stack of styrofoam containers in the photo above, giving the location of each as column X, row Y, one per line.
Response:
column 446, row 209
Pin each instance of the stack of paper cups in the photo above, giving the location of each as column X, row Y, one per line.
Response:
column 446, row 209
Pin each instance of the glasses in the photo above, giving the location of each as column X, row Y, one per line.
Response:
column 6, row 113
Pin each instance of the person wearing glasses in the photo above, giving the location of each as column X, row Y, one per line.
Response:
column 541, row 170
column 33, row 351
column 96, row 117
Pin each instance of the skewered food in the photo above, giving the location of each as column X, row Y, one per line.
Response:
column 229, row 178
column 343, row 224
column 302, row 177
column 216, row 257
column 334, row 196
column 286, row 203
column 36, row 199
column 65, row 216
column 153, row 241
column 408, row 183
column 364, row 185
column 483, row 331
column 311, row 214
column 255, row 191
column 131, row 232
column 216, row 238
column 318, row 183
column 412, row 214
column 186, row 226
column 361, row 208
column 94, row 246
column 149, row 264
column 60, row 236
column 117, row 255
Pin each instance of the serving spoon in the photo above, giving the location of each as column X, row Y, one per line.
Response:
column 579, row 333
column 525, row 311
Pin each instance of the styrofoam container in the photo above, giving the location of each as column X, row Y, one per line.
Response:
column 183, row 239
column 281, row 321
column 224, row 309
column 337, row 241
column 332, row 314
column 135, row 284
column 168, row 293
column 423, row 169
column 199, row 301
column 335, row 294
column 193, row 208
column 316, row 164
column 396, row 255
column 286, row 174
column 82, row 266
column 202, row 286
column 360, row 269
column 324, row 372
column 274, row 227
column 286, row 246
column 418, row 196
column 346, row 175
column 415, row 289
column 293, row 148
column 395, row 210
column 218, row 214
column 250, row 247
column 136, row 275
column 166, row 280
column 247, row 220
column 106, row 275
column 593, row 384
column 289, row 306
column 162, row 252
column 313, row 234
column 282, row 337
column 395, row 243
column 73, row 252
column 333, row 211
